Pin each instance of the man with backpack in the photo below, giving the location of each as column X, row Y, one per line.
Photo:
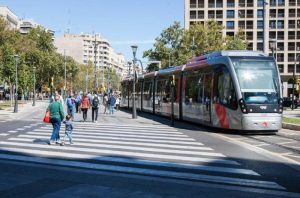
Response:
column 70, row 105
column 95, row 107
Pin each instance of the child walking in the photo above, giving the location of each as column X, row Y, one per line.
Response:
column 69, row 129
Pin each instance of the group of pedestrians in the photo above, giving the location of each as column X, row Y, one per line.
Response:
column 78, row 103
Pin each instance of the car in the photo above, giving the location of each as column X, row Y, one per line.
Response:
column 287, row 102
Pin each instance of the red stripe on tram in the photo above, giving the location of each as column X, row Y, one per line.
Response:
column 221, row 114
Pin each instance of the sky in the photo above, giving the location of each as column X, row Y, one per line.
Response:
column 122, row 22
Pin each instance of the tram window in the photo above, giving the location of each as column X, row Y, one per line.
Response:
column 148, row 90
column 224, row 92
column 193, row 88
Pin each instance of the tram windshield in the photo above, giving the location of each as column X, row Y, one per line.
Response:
column 258, row 80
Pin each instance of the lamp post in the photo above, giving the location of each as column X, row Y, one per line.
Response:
column 16, row 92
column 95, row 63
column 294, row 79
column 65, row 68
column 33, row 103
column 134, row 49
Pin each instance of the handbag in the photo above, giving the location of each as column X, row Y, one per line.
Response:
column 47, row 117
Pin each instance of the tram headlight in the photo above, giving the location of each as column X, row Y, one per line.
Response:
column 243, row 106
column 280, row 106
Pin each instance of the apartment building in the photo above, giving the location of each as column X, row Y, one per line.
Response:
column 280, row 18
column 9, row 16
column 26, row 25
column 83, row 49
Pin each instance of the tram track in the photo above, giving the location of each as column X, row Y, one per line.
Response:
column 276, row 144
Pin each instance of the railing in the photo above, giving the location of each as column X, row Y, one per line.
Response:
column 211, row 16
column 193, row 17
column 230, row 27
column 280, row 37
column 230, row 16
column 201, row 5
column 211, row 5
column 249, row 4
column 291, row 48
column 193, row 5
column 200, row 16
column 249, row 15
column 219, row 16
column 242, row 4
column 291, row 36
column 292, row 14
column 249, row 26
column 273, row 15
column 219, row 5
column 280, row 14
column 292, row 26
column 292, row 3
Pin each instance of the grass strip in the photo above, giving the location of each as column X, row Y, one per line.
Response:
column 291, row 120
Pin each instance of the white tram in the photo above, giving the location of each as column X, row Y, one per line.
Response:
column 224, row 89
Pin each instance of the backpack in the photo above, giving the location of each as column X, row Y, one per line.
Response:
column 69, row 102
column 95, row 102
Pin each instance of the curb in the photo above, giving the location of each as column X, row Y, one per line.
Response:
column 291, row 126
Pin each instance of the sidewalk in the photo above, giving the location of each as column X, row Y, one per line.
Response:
column 23, row 110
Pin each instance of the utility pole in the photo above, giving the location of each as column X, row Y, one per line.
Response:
column 65, row 67
column 16, row 92
column 95, row 64
column 33, row 103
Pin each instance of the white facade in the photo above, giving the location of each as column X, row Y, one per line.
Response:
column 9, row 16
column 282, row 20
column 82, row 48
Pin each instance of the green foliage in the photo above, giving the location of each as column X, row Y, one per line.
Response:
column 35, row 49
column 175, row 46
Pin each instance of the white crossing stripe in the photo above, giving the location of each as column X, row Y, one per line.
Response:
column 129, row 139
column 125, row 135
column 122, row 129
column 123, row 153
column 12, row 131
column 161, row 173
column 134, row 149
column 93, row 131
column 136, row 161
column 27, row 126
column 4, row 134
column 187, row 147
column 137, row 148
column 20, row 129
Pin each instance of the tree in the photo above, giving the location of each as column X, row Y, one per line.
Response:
column 175, row 46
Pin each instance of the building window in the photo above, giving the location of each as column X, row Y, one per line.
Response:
column 192, row 3
column 242, row 24
column 260, row 24
column 249, row 35
column 260, row 35
column 242, row 3
column 281, row 13
column 280, row 35
column 280, row 57
column 280, row 46
column 291, row 57
column 242, row 13
column 200, row 14
column 272, row 24
column 219, row 14
column 192, row 14
column 280, row 24
column 260, row 3
column 250, row 46
column 280, row 2
column 260, row 46
column 230, row 14
column 280, row 68
column 290, row 68
column 211, row 14
column 260, row 13
column 200, row 3
column 230, row 24
column 230, row 3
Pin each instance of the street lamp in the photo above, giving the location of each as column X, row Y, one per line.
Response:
column 294, row 79
column 16, row 92
column 65, row 68
column 33, row 103
column 134, row 49
column 95, row 63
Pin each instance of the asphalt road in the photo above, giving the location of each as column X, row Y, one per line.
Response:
column 122, row 157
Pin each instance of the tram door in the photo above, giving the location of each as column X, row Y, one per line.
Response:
column 207, row 98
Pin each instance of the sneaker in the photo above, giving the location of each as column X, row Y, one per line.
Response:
column 58, row 142
column 51, row 142
column 62, row 144
column 71, row 142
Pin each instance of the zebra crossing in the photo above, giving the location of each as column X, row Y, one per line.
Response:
column 135, row 149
